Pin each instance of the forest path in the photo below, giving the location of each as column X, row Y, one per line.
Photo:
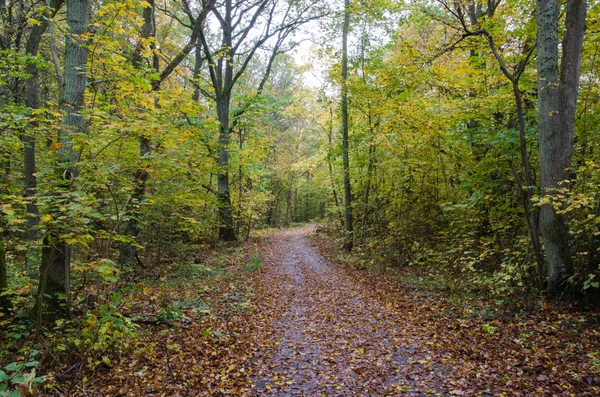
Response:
column 331, row 335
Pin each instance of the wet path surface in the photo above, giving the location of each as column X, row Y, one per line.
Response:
column 332, row 336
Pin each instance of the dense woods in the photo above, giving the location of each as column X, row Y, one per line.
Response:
column 456, row 141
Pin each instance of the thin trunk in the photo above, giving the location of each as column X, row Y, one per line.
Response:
column 531, row 212
column 295, row 206
column 5, row 304
column 288, row 208
column 127, row 250
column 197, row 68
column 557, row 101
column 367, row 190
column 349, row 237
column 241, row 185
column 330, row 164
column 56, row 253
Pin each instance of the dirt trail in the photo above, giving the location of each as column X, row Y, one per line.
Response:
column 332, row 336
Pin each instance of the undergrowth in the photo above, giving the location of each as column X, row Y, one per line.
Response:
column 116, row 318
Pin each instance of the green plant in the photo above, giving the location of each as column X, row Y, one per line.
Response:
column 595, row 365
column 254, row 264
column 19, row 375
column 490, row 329
column 104, row 329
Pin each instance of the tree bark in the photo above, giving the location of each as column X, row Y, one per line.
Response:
column 367, row 189
column 330, row 166
column 557, row 100
column 226, row 228
column 349, row 237
column 56, row 252
column 5, row 304
column 32, row 100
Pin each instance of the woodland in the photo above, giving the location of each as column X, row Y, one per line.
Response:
column 299, row 197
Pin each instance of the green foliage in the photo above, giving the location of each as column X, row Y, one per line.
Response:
column 18, row 376
column 490, row 329
column 255, row 263
column 595, row 359
column 99, row 332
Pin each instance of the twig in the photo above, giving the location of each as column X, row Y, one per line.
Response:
column 76, row 367
column 167, row 361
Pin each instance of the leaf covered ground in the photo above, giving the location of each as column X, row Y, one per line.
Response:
column 282, row 316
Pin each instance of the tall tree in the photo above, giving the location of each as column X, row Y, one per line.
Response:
column 472, row 27
column 557, row 96
column 244, row 28
column 32, row 100
column 349, row 238
column 56, row 252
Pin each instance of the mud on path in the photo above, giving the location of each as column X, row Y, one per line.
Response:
column 329, row 335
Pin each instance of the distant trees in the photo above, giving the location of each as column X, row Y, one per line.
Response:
column 244, row 29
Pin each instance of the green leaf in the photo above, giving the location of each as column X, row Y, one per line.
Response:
column 14, row 366
column 19, row 379
column 3, row 376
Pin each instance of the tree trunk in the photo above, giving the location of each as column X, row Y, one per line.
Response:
column 349, row 238
column 32, row 100
column 197, row 70
column 531, row 213
column 367, row 190
column 557, row 101
column 127, row 250
column 226, row 229
column 4, row 300
column 5, row 304
column 330, row 164
column 288, row 208
column 56, row 253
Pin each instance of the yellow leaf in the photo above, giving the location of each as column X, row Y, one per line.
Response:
column 33, row 22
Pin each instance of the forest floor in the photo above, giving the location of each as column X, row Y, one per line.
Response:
column 299, row 322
